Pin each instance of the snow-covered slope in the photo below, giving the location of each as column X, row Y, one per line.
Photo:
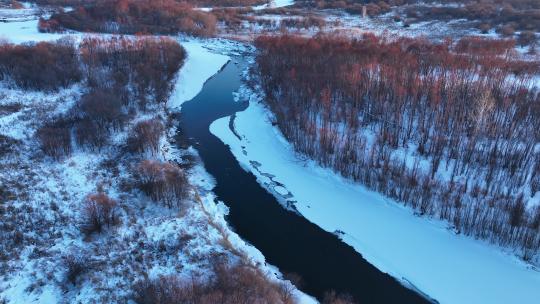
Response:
column 448, row 267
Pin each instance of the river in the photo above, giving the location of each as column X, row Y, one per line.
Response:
column 287, row 240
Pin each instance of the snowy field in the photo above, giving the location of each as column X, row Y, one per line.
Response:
column 48, row 196
column 24, row 31
column 420, row 252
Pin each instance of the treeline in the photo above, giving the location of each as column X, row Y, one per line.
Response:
column 226, row 3
column 42, row 66
column 504, row 16
column 372, row 7
column 132, row 17
column 123, row 76
column 228, row 285
column 60, row 2
column 239, row 283
column 146, row 64
column 450, row 129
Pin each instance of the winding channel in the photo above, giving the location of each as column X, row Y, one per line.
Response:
column 287, row 240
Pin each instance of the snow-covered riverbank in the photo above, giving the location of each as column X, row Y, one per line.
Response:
column 450, row 268
column 200, row 65
column 204, row 59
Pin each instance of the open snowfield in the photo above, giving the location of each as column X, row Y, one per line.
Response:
column 425, row 253
column 24, row 31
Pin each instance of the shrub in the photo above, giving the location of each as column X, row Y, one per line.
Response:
column 75, row 266
column 98, row 211
column 526, row 38
column 508, row 30
column 489, row 13
column 145, row 136
column 89, row 134
column 102, row 107
column 163, row 182
column 230, row 285
column 55, row 139
column 484, row 46
column 333, row 298
column 7, row 144
column 48, row 26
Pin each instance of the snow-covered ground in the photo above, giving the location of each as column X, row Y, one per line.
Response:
column 450, row 268
column 270, row 4
column 425, row 253
column 274, row 4
column 23, row 31
column 200, row 65
column 51, row 192
column 46, row 202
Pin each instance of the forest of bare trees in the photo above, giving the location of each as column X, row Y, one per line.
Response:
column 506, row 16
column 132, row 17
column 450, row 129
column 123, row 76
column 43, row 66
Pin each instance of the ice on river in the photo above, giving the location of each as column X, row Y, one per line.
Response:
column 448, row 267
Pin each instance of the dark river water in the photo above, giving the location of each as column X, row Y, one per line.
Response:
column 287, row 240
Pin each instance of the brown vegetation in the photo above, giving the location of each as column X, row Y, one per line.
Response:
column 41, row 66
column 466, row 111
column 98, row 211
column 226, row 3
column 163, row 182
column 229, row 285
column 55, row 139
column 145, row 136
column 373, row 7
column 123, row 74
column 146, row 64
column 103, row 107
column 506, row 16
column 134, row 16
column 75, row 266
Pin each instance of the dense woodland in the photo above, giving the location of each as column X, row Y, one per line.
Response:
column 199, row 3
column 226, row 3
column 132, row 17
column 507, row 16
column 449, row 129
column 43, row 66
column 351, row 6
